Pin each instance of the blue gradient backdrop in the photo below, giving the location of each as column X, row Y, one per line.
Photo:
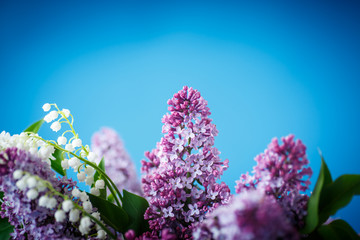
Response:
column 266, row 69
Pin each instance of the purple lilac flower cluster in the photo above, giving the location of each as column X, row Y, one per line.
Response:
column 250, row 215
column 31, row 218
column 118, row 164
column 281, row 172
column 179, row 179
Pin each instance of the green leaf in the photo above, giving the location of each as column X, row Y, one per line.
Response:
column 5, row 229
column 111, row 214
column 34, row 128
column 56, row 164
column 337, row 230
column 338, row 194
column 135, row 206
column 98, row 176
column 312, row 218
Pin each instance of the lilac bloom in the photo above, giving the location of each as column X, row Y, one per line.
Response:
column 175, row 168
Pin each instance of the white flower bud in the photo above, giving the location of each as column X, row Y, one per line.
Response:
column 65, row 164
column 66, row 112
column 83, row 196
column 54, row 115
column 52, row 203
column 96, row 215
column 74, row 162
column 83, row 230
column 47, row 118
column 87, row 206
column 51, row 116
column 21, row 184
column 46, row 107
column 61, row 140
column 85, row 224
column 89, row 180
column 75, row 192
column 81, row 176
column 101, row 234
column 89, row 170
column 31, row 182
column 60, row 215
column 67, row 205
column 95, row 191
column 46, row 150
column 55, row 126
column 76, row 143
column 32, row 194
column 85, row 221
column 74, row 215
column 92, row 157
column 17, row 174
column 43, row 201
column 100, row 184
column 69, row 147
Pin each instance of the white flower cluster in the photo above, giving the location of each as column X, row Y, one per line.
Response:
column 74, row 214
column 85, row 172
column 27, row 142
column 27, row 182
column 51, row 116
column 67, row 209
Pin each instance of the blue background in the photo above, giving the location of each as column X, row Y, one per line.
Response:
column 266, row 69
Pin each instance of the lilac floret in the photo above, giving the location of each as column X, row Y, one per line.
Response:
column 180, row 175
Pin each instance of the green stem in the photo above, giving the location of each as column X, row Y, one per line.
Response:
column 72, row 129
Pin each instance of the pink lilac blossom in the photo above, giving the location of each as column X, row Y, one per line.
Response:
column 118, row 164
column 250, row 215
column 281, row 172
column 30, row 220
column 179, row 179
column 166, row 234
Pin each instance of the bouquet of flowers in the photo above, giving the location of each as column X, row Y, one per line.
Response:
column 180, row 195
